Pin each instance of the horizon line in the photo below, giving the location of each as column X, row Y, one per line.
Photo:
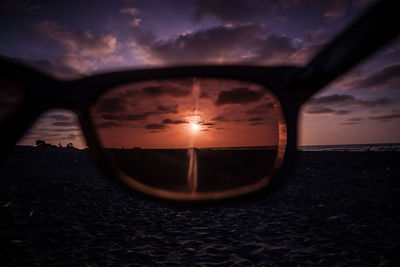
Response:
column 221, row 147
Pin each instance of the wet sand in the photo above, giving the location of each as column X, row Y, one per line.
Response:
column 339, row 208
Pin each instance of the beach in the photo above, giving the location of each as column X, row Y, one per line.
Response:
column 338, row 208
column 216, row 169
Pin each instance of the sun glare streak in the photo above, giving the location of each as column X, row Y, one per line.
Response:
column 192, row 172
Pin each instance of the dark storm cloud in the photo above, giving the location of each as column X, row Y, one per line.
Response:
column 160, row 90
column 206, row 123
column 71, row 136
column 117, row 105
column 373, row 103
column 161, row 109
column 318, row 110
column 313, row 42
column 341, row 112
column 168, row 109
column 81, row 64
column 331, row 11
column 220, row 119
column 83, row 50
column 349, row 123
column 59, row 117
column 387, row 77
column 238, row 96
column 255, row 119
column 155, row 126
column 276, row 48
column 319, row 36
column 260, row 110
column 111, row 105
column 83, row 42
column 128, row 117
column 244, row 11
column 205, row 45
column 348, row 100
column 331, row 99
column 336, row 10
column 325, row 110
column 130, row 11
column 354, row 119
column 248, row 42
column 58, row 130
column 36, row 135
column 255, row 123
column 394, row 114
column 169, row 121
column 232, row 10
column 64, row 123
column 108, row 124
column 306, row 53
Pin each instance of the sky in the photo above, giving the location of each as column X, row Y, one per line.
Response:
column 191, row 112
column 72, row 39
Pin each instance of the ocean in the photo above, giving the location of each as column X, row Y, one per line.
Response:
column 354, row 147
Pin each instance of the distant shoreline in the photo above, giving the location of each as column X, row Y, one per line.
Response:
column 343, row 147
column 353, row 147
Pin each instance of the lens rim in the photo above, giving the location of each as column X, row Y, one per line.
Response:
column 276, row 79
column 196, row 196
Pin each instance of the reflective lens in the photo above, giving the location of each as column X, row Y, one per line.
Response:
column 193, row 138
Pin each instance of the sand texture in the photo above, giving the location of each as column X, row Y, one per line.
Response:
column 339, row 208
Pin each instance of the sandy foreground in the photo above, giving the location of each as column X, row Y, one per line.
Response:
column 339, row 208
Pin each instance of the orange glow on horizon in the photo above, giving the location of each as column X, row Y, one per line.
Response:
column 192, row 112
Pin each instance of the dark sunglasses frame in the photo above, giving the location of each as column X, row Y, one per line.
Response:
column 291, row 85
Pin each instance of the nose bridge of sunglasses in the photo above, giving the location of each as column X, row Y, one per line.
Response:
column 61, row 94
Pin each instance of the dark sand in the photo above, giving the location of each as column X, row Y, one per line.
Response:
column 339, row 208
column 217, row 169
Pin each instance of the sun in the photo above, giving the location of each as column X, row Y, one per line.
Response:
column 195, row 127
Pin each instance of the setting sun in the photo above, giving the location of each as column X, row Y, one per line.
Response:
column 195, row 127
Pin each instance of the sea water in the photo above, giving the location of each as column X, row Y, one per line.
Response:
column 354, row 147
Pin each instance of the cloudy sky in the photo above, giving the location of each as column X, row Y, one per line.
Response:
column 78, row 38
column 188, row 112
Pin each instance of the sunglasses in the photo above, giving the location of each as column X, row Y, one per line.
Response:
column 192, row 133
